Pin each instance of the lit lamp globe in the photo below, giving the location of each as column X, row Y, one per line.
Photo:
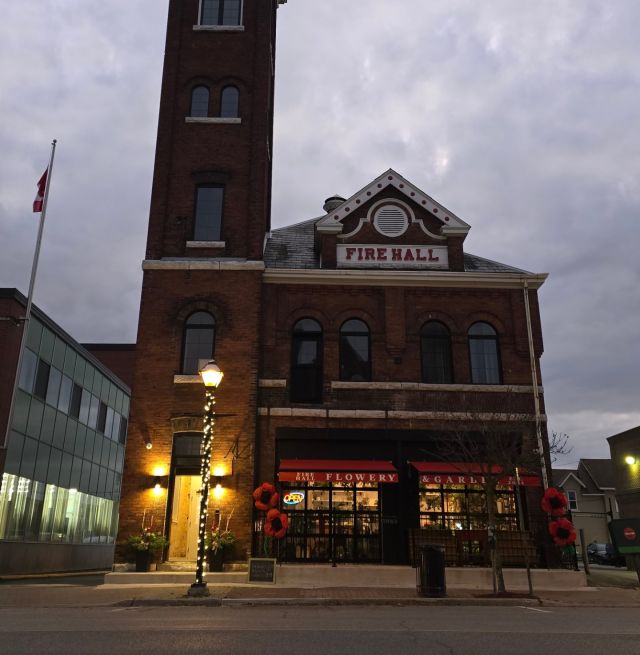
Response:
column 630, row 460
column 211, row 374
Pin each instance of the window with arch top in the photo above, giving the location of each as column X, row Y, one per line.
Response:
column 220, row 12
column 306, row 362
column 355, row 351
column 435, row 347
column 484, row 354
column 229, row 102
column 199, row 341
column 199, row 102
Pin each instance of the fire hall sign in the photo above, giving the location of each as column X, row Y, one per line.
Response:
column 376, row 255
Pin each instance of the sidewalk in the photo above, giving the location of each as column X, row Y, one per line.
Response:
column 64, row 595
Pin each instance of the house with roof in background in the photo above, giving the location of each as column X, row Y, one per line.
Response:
column 590, row 490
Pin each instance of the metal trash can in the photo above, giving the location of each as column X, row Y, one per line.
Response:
column 430, row 572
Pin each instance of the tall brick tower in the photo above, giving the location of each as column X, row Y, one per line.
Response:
column 201, row 295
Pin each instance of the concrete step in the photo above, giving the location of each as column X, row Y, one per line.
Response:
column 184, row 565
column 171, row 577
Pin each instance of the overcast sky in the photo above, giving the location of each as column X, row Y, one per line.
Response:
column 520, row 117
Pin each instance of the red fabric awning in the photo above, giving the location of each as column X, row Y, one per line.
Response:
column 467, row 473
column 336, row 470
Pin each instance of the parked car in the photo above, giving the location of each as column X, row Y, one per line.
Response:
column 604, row 554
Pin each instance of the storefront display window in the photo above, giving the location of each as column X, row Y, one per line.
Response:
column 334, row 521
column 464, row 507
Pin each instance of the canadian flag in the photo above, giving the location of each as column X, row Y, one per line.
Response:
column 42, row 185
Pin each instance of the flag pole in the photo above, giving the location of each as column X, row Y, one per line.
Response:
column 32, row 284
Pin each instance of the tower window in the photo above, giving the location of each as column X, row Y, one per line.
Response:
column 199, row 102
column 484, row 354
column 220, row 12
column 229, row 102
column 199, row 339
column 208, row 213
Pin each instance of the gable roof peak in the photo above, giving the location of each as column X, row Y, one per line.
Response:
column 452, row 225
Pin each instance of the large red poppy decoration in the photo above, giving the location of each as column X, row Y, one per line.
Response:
column 563, row 532
column 554, row 502
column 265, row 496
column 276, row 524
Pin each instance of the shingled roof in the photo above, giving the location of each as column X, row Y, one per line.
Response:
column 293, row 247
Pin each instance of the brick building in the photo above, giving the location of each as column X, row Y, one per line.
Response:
column 357, row 346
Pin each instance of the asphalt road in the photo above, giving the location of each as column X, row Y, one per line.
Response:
column 320, row 631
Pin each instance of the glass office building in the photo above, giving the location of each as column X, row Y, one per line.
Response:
column 65, row 455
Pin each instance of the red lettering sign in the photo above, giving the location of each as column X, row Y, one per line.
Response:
column 342, row 476
column 630, row 534
column 382, row 254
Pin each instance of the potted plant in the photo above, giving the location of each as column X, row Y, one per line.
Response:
column 219, row 542
column 145, row 546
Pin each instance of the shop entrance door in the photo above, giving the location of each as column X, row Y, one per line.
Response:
column 185, row 511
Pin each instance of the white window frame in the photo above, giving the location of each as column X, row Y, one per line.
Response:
column 573, row 500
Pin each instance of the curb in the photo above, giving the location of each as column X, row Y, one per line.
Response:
column 315, row 602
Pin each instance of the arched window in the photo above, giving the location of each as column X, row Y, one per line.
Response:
column 229, row 102
column 220, row 12
column 435, row 346
column 355, row 351
column 484, row 354
column 199, row 341
column 199, row 102
column 306, row 362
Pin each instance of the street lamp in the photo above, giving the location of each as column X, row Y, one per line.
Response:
column 211, row 377
column 630, row 460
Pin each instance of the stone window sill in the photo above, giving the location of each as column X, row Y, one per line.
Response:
column 187, row 379
column 218, row 28
column 206, row 244
column 213, row 120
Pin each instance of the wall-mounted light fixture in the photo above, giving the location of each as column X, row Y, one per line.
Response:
column 159, row 481
column 218, row 490
column 630, row 460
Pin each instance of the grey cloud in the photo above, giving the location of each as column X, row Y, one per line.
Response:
column 520, row 117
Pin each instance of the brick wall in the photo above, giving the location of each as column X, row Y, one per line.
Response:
column 118, row 357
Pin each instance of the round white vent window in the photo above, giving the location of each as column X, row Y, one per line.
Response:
column 391, row 220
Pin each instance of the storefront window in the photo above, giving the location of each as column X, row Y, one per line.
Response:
column 334, row 521
column 464, row 507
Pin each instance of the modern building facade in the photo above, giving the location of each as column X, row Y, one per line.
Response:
column 62, row 473
column 367, row 355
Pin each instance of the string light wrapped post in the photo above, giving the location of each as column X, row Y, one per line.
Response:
column 211, row 376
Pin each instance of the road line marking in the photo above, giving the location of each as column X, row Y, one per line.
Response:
column 535, row 609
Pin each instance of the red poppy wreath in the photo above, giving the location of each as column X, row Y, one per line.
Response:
column 276, row 524
column 554, row 502
column 265, row 497
column 563, row 532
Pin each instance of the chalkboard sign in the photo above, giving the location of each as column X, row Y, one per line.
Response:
column 262, row 570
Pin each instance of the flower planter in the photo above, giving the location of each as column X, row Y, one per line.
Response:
column 143, row 561
column 216, row 560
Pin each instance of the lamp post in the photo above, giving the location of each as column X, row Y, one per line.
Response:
column 211, row 377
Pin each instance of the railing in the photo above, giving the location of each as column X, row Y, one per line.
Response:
column 471, row 547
